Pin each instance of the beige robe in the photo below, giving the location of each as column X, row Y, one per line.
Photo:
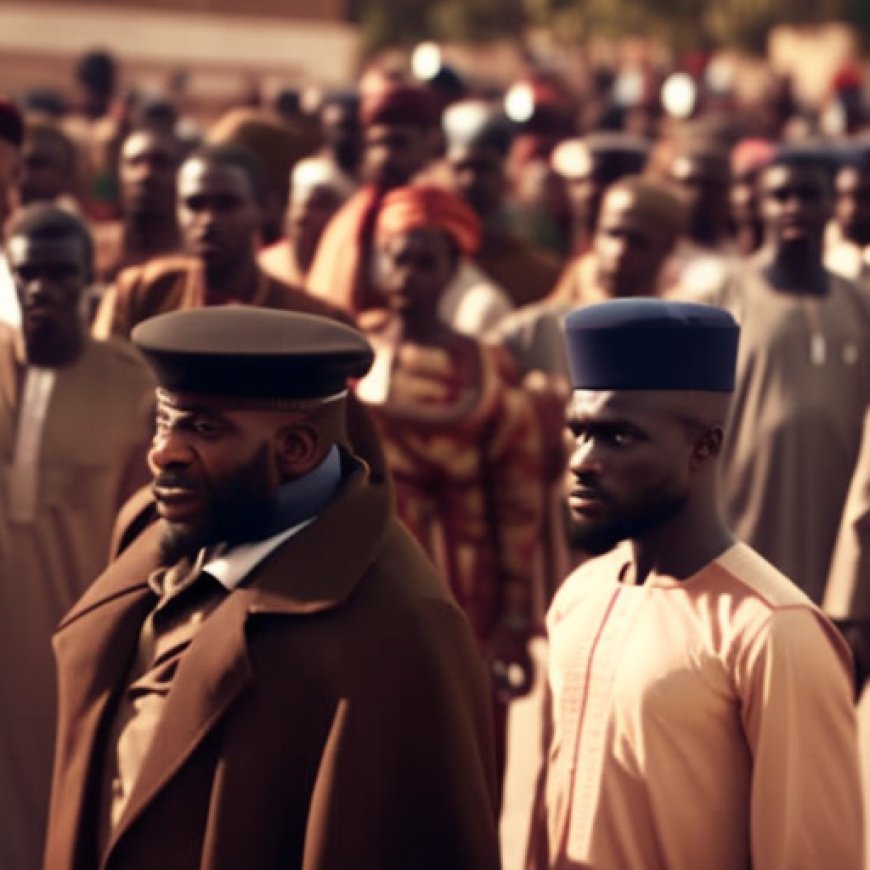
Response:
column 92, row 458
column 803, row 384
column 706, row 723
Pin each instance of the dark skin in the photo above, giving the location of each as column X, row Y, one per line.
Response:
column 217, row 467
column 394, row 153
column 50, row 278
column 478, row 175
column 642, row 469
column 630, row 249
column 852, row 208
column 308, row 213
column 220, row 218
column 47, row 167
column 339, row 121
column 148, row 168
column 748, row 229
column 795, row 204
column 704, row 180
column 415, row 269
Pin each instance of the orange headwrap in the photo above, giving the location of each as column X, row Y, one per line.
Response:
column 418, row 206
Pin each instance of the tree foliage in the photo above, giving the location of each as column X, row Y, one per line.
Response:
column 683, row 24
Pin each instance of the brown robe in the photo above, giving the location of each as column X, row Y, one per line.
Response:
column 794, row 431
column 92, row 457
column 175, row 283
column 329, row 713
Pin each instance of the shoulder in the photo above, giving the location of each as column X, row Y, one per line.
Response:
column 119, row 356
column 290, row 298
column 159, row 271
column 760, row 605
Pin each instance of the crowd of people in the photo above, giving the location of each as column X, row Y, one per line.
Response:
column 385, row 372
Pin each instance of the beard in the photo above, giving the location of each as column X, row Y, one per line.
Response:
column 240, row 509
column 597, row 537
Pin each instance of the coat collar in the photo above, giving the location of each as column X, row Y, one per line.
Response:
column 314, row 571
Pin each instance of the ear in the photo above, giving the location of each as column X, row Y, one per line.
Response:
column 706, row 446
column 298, row 449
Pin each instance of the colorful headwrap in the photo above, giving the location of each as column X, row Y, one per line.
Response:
column 419, row 206
column 400, row 103
column 751, row 155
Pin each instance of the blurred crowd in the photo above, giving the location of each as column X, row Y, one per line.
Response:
column 455, row 225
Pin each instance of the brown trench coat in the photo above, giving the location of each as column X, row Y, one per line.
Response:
column 330, row 713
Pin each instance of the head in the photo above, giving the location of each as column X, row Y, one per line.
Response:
column 96, row 75
column 421, row 233
column 249, row 401
column 276, row 146
column 640, row 222
column 796, row 201
column 48, row 164
column 148, row 169
column 219, row 207
column 50, row 254
column 478, row 142
column 652, row 381
column 400, row 132
column 852, row 200
column 588, row 167
column 748, row 159
column 702, row 171
column 317, row 191
column 340, row 126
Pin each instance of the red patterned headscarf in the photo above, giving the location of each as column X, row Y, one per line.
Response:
column 419, row 206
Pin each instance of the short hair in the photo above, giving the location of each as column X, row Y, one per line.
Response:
column 97, row 71
column 47, row 222
column 235, row 156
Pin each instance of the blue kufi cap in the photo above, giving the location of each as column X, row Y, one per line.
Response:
column 651, row 344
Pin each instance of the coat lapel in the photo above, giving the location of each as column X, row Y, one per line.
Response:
column 314, row 571
column 93, row 646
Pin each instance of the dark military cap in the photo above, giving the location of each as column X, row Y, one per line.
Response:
column 813, row 154
column 651, row 344
column 250, row 353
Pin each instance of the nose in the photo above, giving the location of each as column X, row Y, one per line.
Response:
column 584, row 462
column 168, row 449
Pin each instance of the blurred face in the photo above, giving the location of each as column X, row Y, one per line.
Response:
column 414, row 270
column 478, row 177
column 215, row 473
column 744, row 200
column 308, row 213
column 852, row 208
column 628, row 470
column 587, row 185
column 148, row 169
column 46, row 169
column 50, row 277
column 795, row 204
column 10, row 172
column 704, row 183
column 629, row 248
column 394, row 153
column 342, row 133
column 218, row 213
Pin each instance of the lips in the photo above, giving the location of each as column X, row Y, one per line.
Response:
column 177, row 503
column 585, row 500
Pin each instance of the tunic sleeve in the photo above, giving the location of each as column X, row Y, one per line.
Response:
column 794, row 680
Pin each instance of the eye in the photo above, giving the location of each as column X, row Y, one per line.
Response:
column 206, row 428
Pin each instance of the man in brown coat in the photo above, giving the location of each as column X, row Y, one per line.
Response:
column 220, row 191
column 271, row 675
